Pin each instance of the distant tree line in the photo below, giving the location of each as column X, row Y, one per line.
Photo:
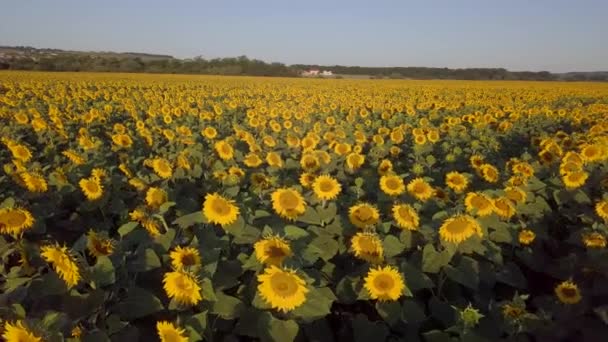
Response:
column 84, row 62
column 58, row 60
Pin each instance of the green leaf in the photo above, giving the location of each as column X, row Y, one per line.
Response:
column 364, row 330
column 510, row 274
column 7, row 203
column 433, row 261
column 467, row 273
column 389, row 311
column 102, row 272
column 191, row 219
column 310, row 216
column 412, row 312
column 207, row 290
column 442, row 311
column 11, row 284
column 227, row 307
column 295, row 233
column 415, row 279
column 392, row 246
column 324, row 247
column 327, row 214
column 272, row 329
column 139, row 303
column 146, row 261
column 436, row 336
column 127, row 228
column 317, row 305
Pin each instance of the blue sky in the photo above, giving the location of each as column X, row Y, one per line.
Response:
column 549, row 35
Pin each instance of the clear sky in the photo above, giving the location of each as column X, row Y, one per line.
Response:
column 554, row 35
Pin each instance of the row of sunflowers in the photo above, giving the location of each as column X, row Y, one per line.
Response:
column 187, row 208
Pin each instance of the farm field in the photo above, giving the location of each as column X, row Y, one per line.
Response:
column 187, row 208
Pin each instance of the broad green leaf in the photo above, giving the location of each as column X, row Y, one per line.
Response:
column 227, row 307
column 317, row 305
column 127, row 228
column 510, row 274
column 272, row 329
column 467, row 273
column 146, row 260
column 433, row 261
column 102, row 273
column 138, row 303
column 295, row 233
column 191, row 219
column 364, row 330
column 389, row 311
column 310, row 216
column 392, row 246
column 412, row 312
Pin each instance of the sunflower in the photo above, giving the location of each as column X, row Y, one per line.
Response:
column 99, row 245
column 476, row 161
column 15, row 221
column 458, row 228
column 326, row 187
column 184, row 257
column 20, row 152
column 489, row 173
column 503, row 207
column 354, row 161
column 526, row 237
column 594, row 240
column 168, row 332
column 91, row 188
column 162, row 168
column 420, row 189
column 209, row 132
column 74, row 157
column 274, row 159
column 575, row 180
column 252, row 160
column 515, row 195
column 385, row 167
column 368, row 247
column 34, row 182
column 272, row 250
column 568, row 293
column 456, row 181
column 155, row 197
column 479, row 204
column 283, row 289
column 601, row 209
column 17, row 332
column 220, row 210
column 363, row 215
column 392, row 185
column 183, row 287
column 591, row 153
column 384, row 283
column 309, row 162
column 137, row 183
column 405, row 216
column 568, row 167
column 307, row 179
column 63, row 263
column 513, row 311
column 288, row 203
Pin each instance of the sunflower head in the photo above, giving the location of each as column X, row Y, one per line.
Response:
column 489, row 173
column 326, row 187
column 574, row 180
column 18, row 332
column 363, row 215
column 385, row 167
column 63, row 262
column 479, row 204
column 162, row 168
column 288, row 203
column 568, row 292
column 384, row 283
column 368, row 246
column 307, row 179
column 91, row 188
column 456, row 181
column 601, row 209
column 354, row 161
column 184, row 258
column 420, row 189
column 405, row 216
column 272, row 250
column 503, row 207
column 99, row 245
column 458, row 228
column 182, row 287
column 526, row 237
column 220, row 210
column 15, row 221
column 392, row 185
column 169, row 332
column 155, row 197
column 594, row 240
column 283, row 289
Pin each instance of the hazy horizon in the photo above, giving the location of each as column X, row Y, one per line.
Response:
column 556, row 36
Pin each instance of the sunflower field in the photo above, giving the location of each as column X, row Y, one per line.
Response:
column 187, row 208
